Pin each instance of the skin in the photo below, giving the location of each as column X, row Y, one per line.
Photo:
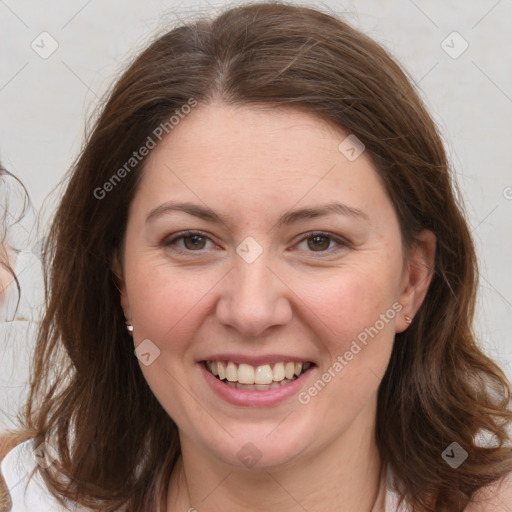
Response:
column 251, row 166
column 6, row 258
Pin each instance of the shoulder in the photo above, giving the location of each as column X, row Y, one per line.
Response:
column 496, row 497
column 26, row 493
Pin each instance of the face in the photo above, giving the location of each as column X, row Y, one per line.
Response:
column 255, row 249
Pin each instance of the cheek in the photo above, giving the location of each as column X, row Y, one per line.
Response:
column 166, row 303
column 353, row 316
column 351, row 300
column 167, row 308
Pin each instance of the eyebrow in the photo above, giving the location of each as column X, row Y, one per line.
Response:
column 205, row 213
column 334, row 207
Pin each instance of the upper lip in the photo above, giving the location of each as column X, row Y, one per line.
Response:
column 256, row 360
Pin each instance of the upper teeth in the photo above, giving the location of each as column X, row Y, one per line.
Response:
column 248, row 374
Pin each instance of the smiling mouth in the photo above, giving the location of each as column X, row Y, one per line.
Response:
column 256, row 378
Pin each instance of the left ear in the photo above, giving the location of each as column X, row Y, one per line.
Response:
column 417, row 277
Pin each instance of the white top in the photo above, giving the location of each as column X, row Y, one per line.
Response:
column 35, row 497
column 29, row 495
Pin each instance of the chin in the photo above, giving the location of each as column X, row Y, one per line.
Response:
column 256, row 449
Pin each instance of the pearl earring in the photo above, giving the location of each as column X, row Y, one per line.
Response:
column 408, row 319
column 129, row 327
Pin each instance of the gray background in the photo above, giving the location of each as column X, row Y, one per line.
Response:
column 45, row 102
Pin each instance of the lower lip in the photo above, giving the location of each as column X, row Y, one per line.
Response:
column 248, row 398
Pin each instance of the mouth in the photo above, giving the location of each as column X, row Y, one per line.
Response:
column 257, row 378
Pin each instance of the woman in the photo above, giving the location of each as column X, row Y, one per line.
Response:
column 14, row 205
column 9, row 216
column 261, row 290
column 7, row 276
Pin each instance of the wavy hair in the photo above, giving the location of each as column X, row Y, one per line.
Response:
column 88, row 397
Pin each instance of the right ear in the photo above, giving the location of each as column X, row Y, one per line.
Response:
column 118, row 272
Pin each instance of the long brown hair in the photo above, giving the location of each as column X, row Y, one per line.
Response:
column 88, row 397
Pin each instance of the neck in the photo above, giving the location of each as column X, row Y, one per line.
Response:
column 343, row 475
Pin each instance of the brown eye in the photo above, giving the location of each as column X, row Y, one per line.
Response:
column 194, row 242
column 319, row 243
column 322, row 243
column 189, row 242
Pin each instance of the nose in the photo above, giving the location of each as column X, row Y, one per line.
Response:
column 253, row 299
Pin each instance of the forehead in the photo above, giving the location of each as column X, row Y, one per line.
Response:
column 256, row 158
column 226, row 133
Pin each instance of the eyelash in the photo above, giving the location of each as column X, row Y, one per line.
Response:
column 342, row 243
